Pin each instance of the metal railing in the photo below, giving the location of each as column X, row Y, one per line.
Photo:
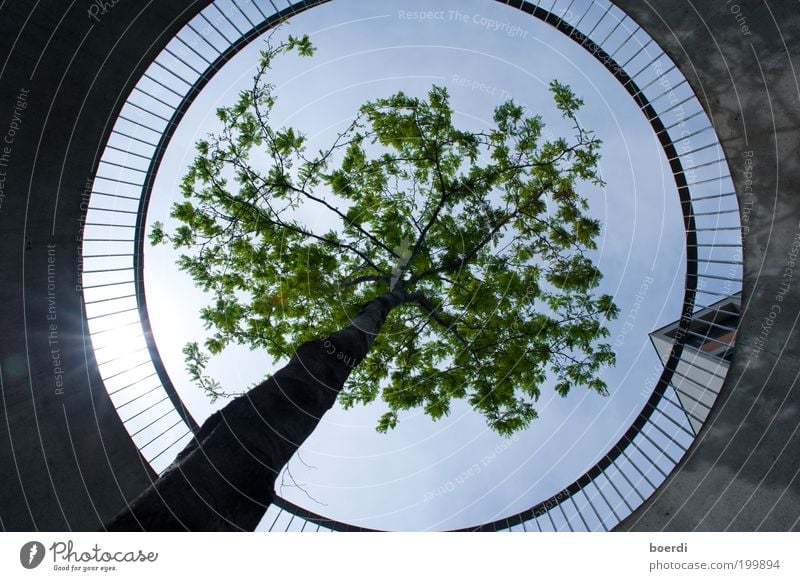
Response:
column 114, row 240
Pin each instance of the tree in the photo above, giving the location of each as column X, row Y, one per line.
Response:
column 442, row 264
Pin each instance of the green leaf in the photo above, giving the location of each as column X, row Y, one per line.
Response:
column 485, row 231
column 387, row 422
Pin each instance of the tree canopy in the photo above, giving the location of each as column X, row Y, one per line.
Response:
column 483, row 232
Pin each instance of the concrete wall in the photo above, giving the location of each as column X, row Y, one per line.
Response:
column 742, row 472
column 66, row 461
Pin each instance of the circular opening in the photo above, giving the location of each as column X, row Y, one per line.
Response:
column 693, row 348
column 455, row 472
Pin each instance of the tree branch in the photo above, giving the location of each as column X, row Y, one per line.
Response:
column 366, row 278
column 422, row 302
column 348, row 222
column 442, row 200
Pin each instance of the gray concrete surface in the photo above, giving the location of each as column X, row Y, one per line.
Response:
column 66, row 461
column 741, row 474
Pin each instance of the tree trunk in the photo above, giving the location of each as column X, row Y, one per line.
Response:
column 224, row 479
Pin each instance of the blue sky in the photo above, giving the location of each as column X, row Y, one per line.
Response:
column 455, row 472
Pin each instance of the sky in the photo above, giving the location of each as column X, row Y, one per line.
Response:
column 455, row 472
